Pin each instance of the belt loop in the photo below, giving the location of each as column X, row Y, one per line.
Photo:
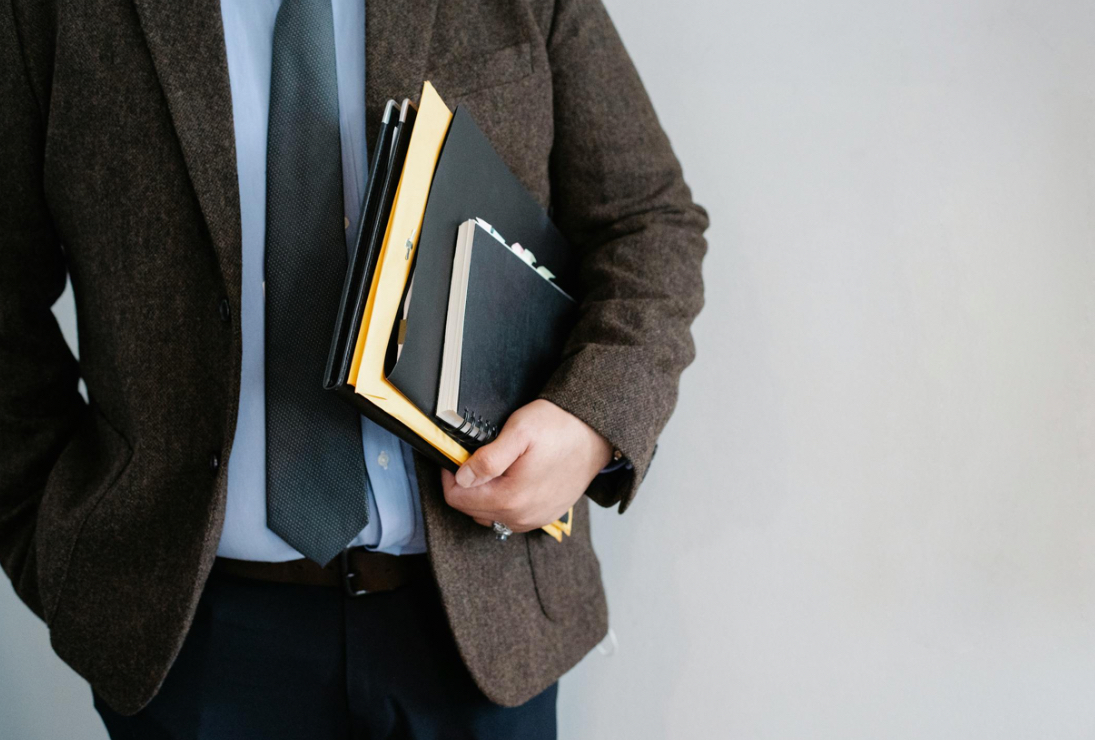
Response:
column 348, row 575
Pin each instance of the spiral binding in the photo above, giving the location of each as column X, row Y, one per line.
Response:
column 474, row 429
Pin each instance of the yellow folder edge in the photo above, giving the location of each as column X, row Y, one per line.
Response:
column 392, row 272
column 394, row 268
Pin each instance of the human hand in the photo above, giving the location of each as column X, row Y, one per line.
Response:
column 541, row 463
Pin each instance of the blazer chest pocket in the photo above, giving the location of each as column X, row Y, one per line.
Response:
column 464, row 74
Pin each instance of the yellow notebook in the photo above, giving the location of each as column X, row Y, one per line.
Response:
column 392, row 273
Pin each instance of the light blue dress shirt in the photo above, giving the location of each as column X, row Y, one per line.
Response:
column 395, row 514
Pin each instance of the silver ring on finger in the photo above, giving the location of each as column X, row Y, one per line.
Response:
column 501, row 531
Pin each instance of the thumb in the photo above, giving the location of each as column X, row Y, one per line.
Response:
column 491, row 460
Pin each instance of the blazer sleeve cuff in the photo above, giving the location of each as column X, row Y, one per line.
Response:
column 605, row 388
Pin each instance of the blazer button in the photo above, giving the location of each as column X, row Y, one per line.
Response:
column 214, row 462
column 225, row 309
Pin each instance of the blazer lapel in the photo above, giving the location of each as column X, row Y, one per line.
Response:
column 186, row 40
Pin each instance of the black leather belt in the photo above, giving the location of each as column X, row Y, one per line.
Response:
column 357, row 571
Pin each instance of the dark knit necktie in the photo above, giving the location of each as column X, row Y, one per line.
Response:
column 315, row 468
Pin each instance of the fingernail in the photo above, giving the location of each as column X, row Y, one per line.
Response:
column 465, row 478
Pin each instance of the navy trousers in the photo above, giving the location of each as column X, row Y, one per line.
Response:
column 270, row 661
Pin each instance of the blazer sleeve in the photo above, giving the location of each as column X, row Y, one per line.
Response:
column 618, row 193
column 40, row 406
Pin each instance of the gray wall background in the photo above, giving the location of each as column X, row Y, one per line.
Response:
column 872, row 513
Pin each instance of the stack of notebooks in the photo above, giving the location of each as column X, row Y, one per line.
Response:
column 457, row 298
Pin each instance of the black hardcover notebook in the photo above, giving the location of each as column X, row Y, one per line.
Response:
column 470, row 181
column 389, row 152
column 506, row 323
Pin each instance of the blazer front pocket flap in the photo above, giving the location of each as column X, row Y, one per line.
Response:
column 87, row 469
column 467, row 73
column 567, row 574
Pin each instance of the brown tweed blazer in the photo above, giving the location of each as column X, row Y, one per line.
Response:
column 117, row 165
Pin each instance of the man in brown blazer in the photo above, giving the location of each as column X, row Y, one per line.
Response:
column 119, row 166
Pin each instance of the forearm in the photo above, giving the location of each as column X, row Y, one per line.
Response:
column 619, row 194
column 39, row 403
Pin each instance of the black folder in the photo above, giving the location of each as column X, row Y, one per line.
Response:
column 470, row 181
column 355, row 287
column 389, row 151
